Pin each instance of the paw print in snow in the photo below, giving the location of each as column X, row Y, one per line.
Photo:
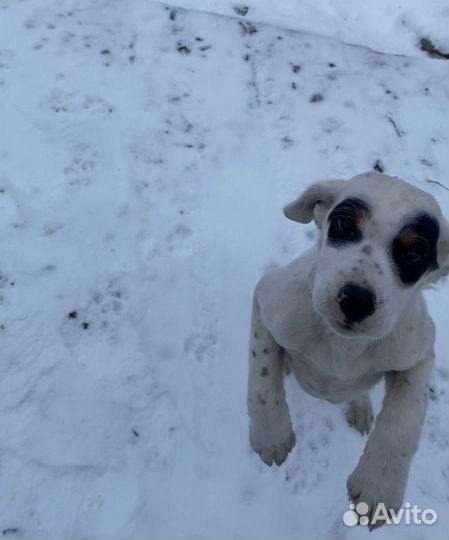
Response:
column 179, row 239
column 5, row 283
column 62, row 102
column 72, row 102
column 82, row 166
column 97, row 105
column 313, row 438
column 200, row 346
column 6, row 62
column 99, row 318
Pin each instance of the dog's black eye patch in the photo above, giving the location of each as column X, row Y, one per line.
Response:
column 345, row 222
column 414, row 248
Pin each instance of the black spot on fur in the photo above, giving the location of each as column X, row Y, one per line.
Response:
column 378, row 268
column 253, row 352
column 413, row 258
column 367, row 250
column 266, row 351
column 345, row 221
column 264, row 372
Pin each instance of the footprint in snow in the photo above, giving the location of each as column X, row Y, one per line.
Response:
column 82, row 166
column 98, row 319
column 310, row 459
column 200, row 345
column 179, row 239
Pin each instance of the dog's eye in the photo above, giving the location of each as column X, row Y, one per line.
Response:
column 412, row 257
column 417, row 253
column 342, row 227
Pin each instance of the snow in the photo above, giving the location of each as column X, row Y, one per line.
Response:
column 384, row 25
column 146, row 152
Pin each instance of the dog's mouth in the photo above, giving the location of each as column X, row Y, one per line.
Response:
column 353, row 330
column 345, row 328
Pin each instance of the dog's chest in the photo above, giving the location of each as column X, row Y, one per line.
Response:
column 333, row 373
column 305, row 336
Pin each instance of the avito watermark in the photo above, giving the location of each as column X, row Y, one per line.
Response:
column 408, row 514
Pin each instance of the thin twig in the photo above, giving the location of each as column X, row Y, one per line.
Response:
column 392, row 122
column 438, row 184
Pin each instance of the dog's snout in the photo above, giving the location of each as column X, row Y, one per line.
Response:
column 356, row 303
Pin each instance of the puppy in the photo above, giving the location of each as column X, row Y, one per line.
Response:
column 347, row 313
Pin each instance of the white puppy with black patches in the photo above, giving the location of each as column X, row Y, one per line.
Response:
column 347, row 313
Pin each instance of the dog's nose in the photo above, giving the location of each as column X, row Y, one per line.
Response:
column 356, row 303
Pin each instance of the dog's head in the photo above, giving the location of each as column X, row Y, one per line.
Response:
column 381, row 239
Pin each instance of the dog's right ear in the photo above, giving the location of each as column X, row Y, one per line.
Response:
column 314, row 202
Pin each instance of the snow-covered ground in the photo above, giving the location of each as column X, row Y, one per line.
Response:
column 146, row 152
column 383, row 25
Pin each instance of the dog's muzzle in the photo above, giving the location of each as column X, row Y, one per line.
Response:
column 356, row 303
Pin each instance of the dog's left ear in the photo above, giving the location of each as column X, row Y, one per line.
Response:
column 314, row 202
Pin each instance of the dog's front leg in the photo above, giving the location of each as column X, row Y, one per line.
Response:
column 271, row 433
column 381, row 474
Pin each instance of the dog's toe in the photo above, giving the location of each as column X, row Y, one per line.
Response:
column 273, row 451
column 359, row 414
column 267, row 457
column 280, row 456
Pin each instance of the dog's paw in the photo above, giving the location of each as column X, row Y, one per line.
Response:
column 272, row 447
column 380, row 486
column 359, row 414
